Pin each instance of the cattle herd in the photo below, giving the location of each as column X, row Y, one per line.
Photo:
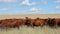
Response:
column 16, row 23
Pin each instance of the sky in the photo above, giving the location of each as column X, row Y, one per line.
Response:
column 29, row 7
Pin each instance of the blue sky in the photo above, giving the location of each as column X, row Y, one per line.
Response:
column 29, row 6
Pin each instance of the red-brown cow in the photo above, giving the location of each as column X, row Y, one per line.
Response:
column 19, row 22
column 56, row 21
column 38, row 22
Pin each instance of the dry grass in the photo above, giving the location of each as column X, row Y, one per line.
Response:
column 30, row 15
column 30, row 30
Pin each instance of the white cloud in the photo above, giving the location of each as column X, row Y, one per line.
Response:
column 44, row 1
column 27, row 3
column 8, row 0
column 3, row 9
column 57, row 7
column 57, row 1
column 35, row 9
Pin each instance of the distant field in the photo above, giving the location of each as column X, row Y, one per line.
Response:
column 30, row 16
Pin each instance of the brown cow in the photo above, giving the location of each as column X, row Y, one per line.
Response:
column 19, row 22
column 38, row 22
column 50, row 22
column 27, row 21
column 8, row 23
column 56, row 21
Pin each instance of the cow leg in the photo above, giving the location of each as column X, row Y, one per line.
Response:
column 1, row 29
column 18, row 27
column 56, row 25
column 6, row 28
column 41, row 25
column 32, row 25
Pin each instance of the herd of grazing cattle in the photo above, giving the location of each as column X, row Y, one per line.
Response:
column 16, row 23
